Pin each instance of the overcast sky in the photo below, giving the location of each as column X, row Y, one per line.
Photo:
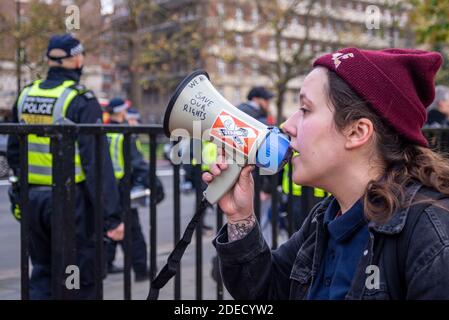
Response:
column 107, row 6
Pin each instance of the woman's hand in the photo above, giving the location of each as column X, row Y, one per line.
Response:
column 237, row 203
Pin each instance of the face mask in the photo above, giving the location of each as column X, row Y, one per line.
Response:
column 79, row 71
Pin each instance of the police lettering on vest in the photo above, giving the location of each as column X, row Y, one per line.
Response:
column 115, row 141
column 45, row 106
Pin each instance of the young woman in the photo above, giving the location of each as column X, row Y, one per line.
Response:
column 384, row 232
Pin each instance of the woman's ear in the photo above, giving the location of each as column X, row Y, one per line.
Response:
column 358, row 133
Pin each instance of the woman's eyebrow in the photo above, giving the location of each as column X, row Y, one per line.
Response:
column 303, row 98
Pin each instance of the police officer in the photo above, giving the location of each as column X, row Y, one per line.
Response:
column 60, row 98
column 258, row 104
column 139, row 173
column 133, row 116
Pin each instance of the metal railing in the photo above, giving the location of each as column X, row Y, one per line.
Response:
column 63, row 139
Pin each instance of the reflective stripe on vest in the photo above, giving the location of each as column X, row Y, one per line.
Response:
column 209, row 155
column 116, row 151
column 297, row 189
column 39, row 156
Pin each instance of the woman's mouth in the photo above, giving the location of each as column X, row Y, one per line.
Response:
column 295, row 151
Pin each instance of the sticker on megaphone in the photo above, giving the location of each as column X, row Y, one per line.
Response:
column 196, row 103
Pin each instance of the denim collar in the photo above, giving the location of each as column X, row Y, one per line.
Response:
column 343, row 227
column 397, row 221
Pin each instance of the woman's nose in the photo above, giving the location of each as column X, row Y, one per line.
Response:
column 289, row 128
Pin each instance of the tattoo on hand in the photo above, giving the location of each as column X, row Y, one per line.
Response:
column 237, row 230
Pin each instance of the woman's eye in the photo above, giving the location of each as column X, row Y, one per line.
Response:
column 303, row 110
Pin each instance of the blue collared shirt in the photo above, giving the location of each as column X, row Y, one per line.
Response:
column 347, row 238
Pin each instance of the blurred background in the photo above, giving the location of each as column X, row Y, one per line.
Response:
column 140, row 49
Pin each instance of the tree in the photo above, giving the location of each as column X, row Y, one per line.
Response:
column 29, row 29
column 177, row 44
column 292, row 56
column 127, row 39
column 158, row 40
column 288, row 63
column 430, row 20
column 28, row 34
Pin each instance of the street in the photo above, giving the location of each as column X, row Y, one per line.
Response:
column 113, row 284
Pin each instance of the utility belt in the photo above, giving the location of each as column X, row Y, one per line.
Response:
column 36, row 187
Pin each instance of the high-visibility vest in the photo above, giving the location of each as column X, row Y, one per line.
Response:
column 116, row 151
column 46, row 106
column 297, row 189
column 209, row 155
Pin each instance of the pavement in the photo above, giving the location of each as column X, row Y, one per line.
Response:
column 113, row 284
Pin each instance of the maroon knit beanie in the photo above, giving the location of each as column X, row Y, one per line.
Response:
column 398, row 83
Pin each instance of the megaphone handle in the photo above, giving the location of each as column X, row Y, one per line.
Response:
column 222, row 183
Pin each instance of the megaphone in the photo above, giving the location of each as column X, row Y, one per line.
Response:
column 196, row 104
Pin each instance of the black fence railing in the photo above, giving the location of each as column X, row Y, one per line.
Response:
column 63, row 253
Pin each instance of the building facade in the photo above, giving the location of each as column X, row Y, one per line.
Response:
column 238, row 42
column 91, row 24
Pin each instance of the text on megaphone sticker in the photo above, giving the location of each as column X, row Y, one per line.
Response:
column 234, row 132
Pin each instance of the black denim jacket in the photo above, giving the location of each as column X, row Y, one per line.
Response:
column 250, row 270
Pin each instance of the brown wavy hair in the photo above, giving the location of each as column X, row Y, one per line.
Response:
column 402, row 160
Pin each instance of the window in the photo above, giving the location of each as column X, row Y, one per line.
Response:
column 220, row 10
column 338, row 26
column 239, row 14
column 192, row 13
column 307, row 48
column 256, row 43
column 329, row 26
column 107, row 78
column 295, row 46
column 221, row 37
column 238, row 41
column 295, row 21
column 387, row 15
column 284, row 44
column 254, row 68
column 271, row 45
column 255, row 15
column 221, row 66
column 238, row 67
column 237, row 96
column 295, row 97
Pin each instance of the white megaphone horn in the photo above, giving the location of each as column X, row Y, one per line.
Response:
column 242, row 137
column 196, row 100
